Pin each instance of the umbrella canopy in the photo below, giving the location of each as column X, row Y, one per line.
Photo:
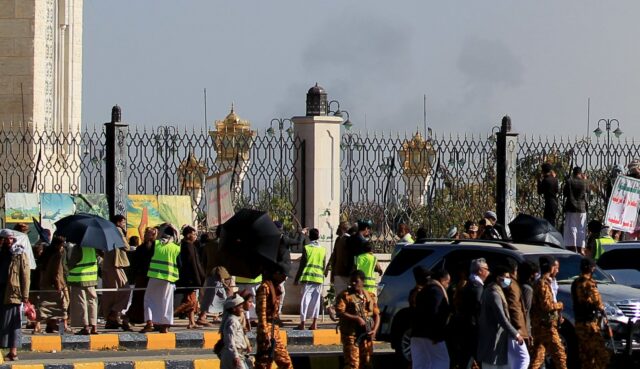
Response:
column 89, row 230
column 527, row 228
column 41, row 231
column 248, row 243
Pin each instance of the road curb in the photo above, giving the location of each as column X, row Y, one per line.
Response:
column 164, row 341
column 323, row 362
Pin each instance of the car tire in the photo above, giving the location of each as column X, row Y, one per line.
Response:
column 404, row 348
column 401, row 339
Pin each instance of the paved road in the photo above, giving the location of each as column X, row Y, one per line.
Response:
column 304, row 357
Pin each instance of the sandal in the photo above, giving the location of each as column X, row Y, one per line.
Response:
column 11, row 357
column 147, row 329
column 83, row 332
column 203, row 323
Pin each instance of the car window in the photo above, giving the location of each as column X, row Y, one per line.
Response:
column 406, row 259
column 458, row 262
column 620, row 259
column 570, row 268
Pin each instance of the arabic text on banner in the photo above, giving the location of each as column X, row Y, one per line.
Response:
column 622, row 211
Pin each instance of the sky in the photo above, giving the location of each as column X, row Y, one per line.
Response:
column 537, row 61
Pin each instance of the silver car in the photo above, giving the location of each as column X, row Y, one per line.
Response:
column 622, row 261
column 622, row 303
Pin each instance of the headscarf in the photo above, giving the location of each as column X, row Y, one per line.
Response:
column 20, row 245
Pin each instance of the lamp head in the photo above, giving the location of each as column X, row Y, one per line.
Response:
column 597, row 132
column 617, row 132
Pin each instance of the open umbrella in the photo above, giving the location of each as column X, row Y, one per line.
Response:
column 42, row 233
column 248, row 243
column 89, row 230
column 527, row 228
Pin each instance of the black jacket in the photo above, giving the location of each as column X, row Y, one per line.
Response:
column 575, row 194
column 191, row 271
column 471, row 302
column 431, row 314
column 548, row 187
column 286, row 243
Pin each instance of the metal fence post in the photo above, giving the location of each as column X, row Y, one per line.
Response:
column 506, row 161
column 116, row 163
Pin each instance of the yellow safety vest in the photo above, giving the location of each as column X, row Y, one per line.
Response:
column 313, row 271
column 87, row 268
column 245, row 280
column 367, row 264
column 163, row 263
column 607, row 240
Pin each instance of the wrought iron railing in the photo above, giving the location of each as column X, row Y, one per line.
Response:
column 75, row 163
column 461, row 179
column 436, row 184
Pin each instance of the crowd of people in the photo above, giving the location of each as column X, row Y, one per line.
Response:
column 507, row 318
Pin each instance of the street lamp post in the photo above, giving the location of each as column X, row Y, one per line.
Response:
column 616, row 132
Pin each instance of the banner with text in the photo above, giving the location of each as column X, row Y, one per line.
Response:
column 622, row 211
column 219, row 200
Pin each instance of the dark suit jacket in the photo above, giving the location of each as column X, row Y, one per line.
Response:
column 431, row 314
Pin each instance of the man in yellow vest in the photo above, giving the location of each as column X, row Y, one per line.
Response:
column 595, row 246
column 368, row 264
column 83, row 279
column 311, row 274
column 163, row 274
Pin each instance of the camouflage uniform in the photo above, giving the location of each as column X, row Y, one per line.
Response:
column 544, row 326
column 267, row 304
column 365, row 306
column 586, row 304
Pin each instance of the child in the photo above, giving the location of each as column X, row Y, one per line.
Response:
column 235, row 353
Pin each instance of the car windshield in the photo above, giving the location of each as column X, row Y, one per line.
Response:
column 570, row 268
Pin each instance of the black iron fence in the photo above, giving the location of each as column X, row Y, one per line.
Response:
column 434, row 182
column 446, row 180
column 267, row 177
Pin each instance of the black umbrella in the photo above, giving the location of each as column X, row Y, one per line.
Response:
column 527, row 228
column 89, row 230
column 248, row 243
column 41, row 231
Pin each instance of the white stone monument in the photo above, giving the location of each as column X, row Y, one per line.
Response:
column 41, row 87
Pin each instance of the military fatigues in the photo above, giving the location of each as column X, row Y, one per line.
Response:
column 267, row 304
column 586, row 305
column 365, row 306
column 544, row 326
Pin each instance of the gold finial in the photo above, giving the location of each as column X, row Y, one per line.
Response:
column 232, row 107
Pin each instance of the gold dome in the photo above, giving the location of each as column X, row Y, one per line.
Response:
column 232, row 136
column 417, row 155
column 232, row 122
column 191, row 173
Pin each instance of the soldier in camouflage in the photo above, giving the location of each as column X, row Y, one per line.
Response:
column 587, row 306
column 546, row 315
